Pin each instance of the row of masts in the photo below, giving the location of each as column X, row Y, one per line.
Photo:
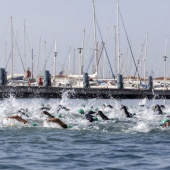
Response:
column 81, row 49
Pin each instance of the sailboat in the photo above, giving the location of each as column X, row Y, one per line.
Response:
column 92, row 76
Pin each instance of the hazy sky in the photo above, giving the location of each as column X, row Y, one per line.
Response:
column 66, row 20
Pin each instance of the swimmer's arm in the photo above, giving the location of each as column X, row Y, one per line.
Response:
column 58, row 121
column 18, row 118
column 48, row 114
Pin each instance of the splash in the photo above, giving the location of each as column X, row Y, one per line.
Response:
column 145, row 119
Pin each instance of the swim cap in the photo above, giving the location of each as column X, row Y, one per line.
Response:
column 69, row 126
column 96, row 109
column 34, row 124
column 81, row 111
column 164, row 121
column 59, row 115
column 95, row 118
column 83, row 105
column 133, row 114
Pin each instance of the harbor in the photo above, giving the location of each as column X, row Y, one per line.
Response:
column 125, row 77
column 84, row 85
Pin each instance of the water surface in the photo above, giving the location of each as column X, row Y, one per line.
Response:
column 120, row 143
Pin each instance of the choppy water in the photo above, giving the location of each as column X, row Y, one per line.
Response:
column 120, row 143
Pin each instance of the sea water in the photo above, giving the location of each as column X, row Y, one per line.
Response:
column 120, row 143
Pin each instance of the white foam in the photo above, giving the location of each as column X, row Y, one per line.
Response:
column 144, row 120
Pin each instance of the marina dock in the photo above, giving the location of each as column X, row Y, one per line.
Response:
column 57, row 92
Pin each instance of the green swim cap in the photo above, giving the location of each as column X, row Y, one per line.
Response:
column 34, row 124
column 81, row 111
column 69, row 126
column 59, row 115
column 164, row 121
column 95, row 118
column 133, row 114
column 96, row 109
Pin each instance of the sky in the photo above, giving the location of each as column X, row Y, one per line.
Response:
column 66, row 20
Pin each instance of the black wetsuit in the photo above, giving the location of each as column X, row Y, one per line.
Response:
column 101, row 114
column 62, row 107
column 22, row 112
column 124, row 108
column 91, row 118
column 47, row 114
column 158, row 108
column 162, row 106
column 107, row 106
column 45, row 108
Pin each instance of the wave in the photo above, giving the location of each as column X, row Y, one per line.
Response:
column 144, row 121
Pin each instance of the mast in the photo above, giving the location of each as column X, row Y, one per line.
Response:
column 12, row 57
column 82, row 57
column 45, row 55
column 165, row 58
column 80, row 66
column 55, row 56
column 166, row 42
column 95, row 39
column 32, row 64
column 5, row 50
column 69, row 61
column 118, row 38
column 115, row 51
column 146, row 42
column 25, row 44
column 38, row 56
column 104, row 57
column 74, row 62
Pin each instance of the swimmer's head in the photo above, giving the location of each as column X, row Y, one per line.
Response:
column 83, row 105
column 42, row 105
column 123, row 108
column 48, row 106
column 81, row 111
column 163, row 122
column 96, row 109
